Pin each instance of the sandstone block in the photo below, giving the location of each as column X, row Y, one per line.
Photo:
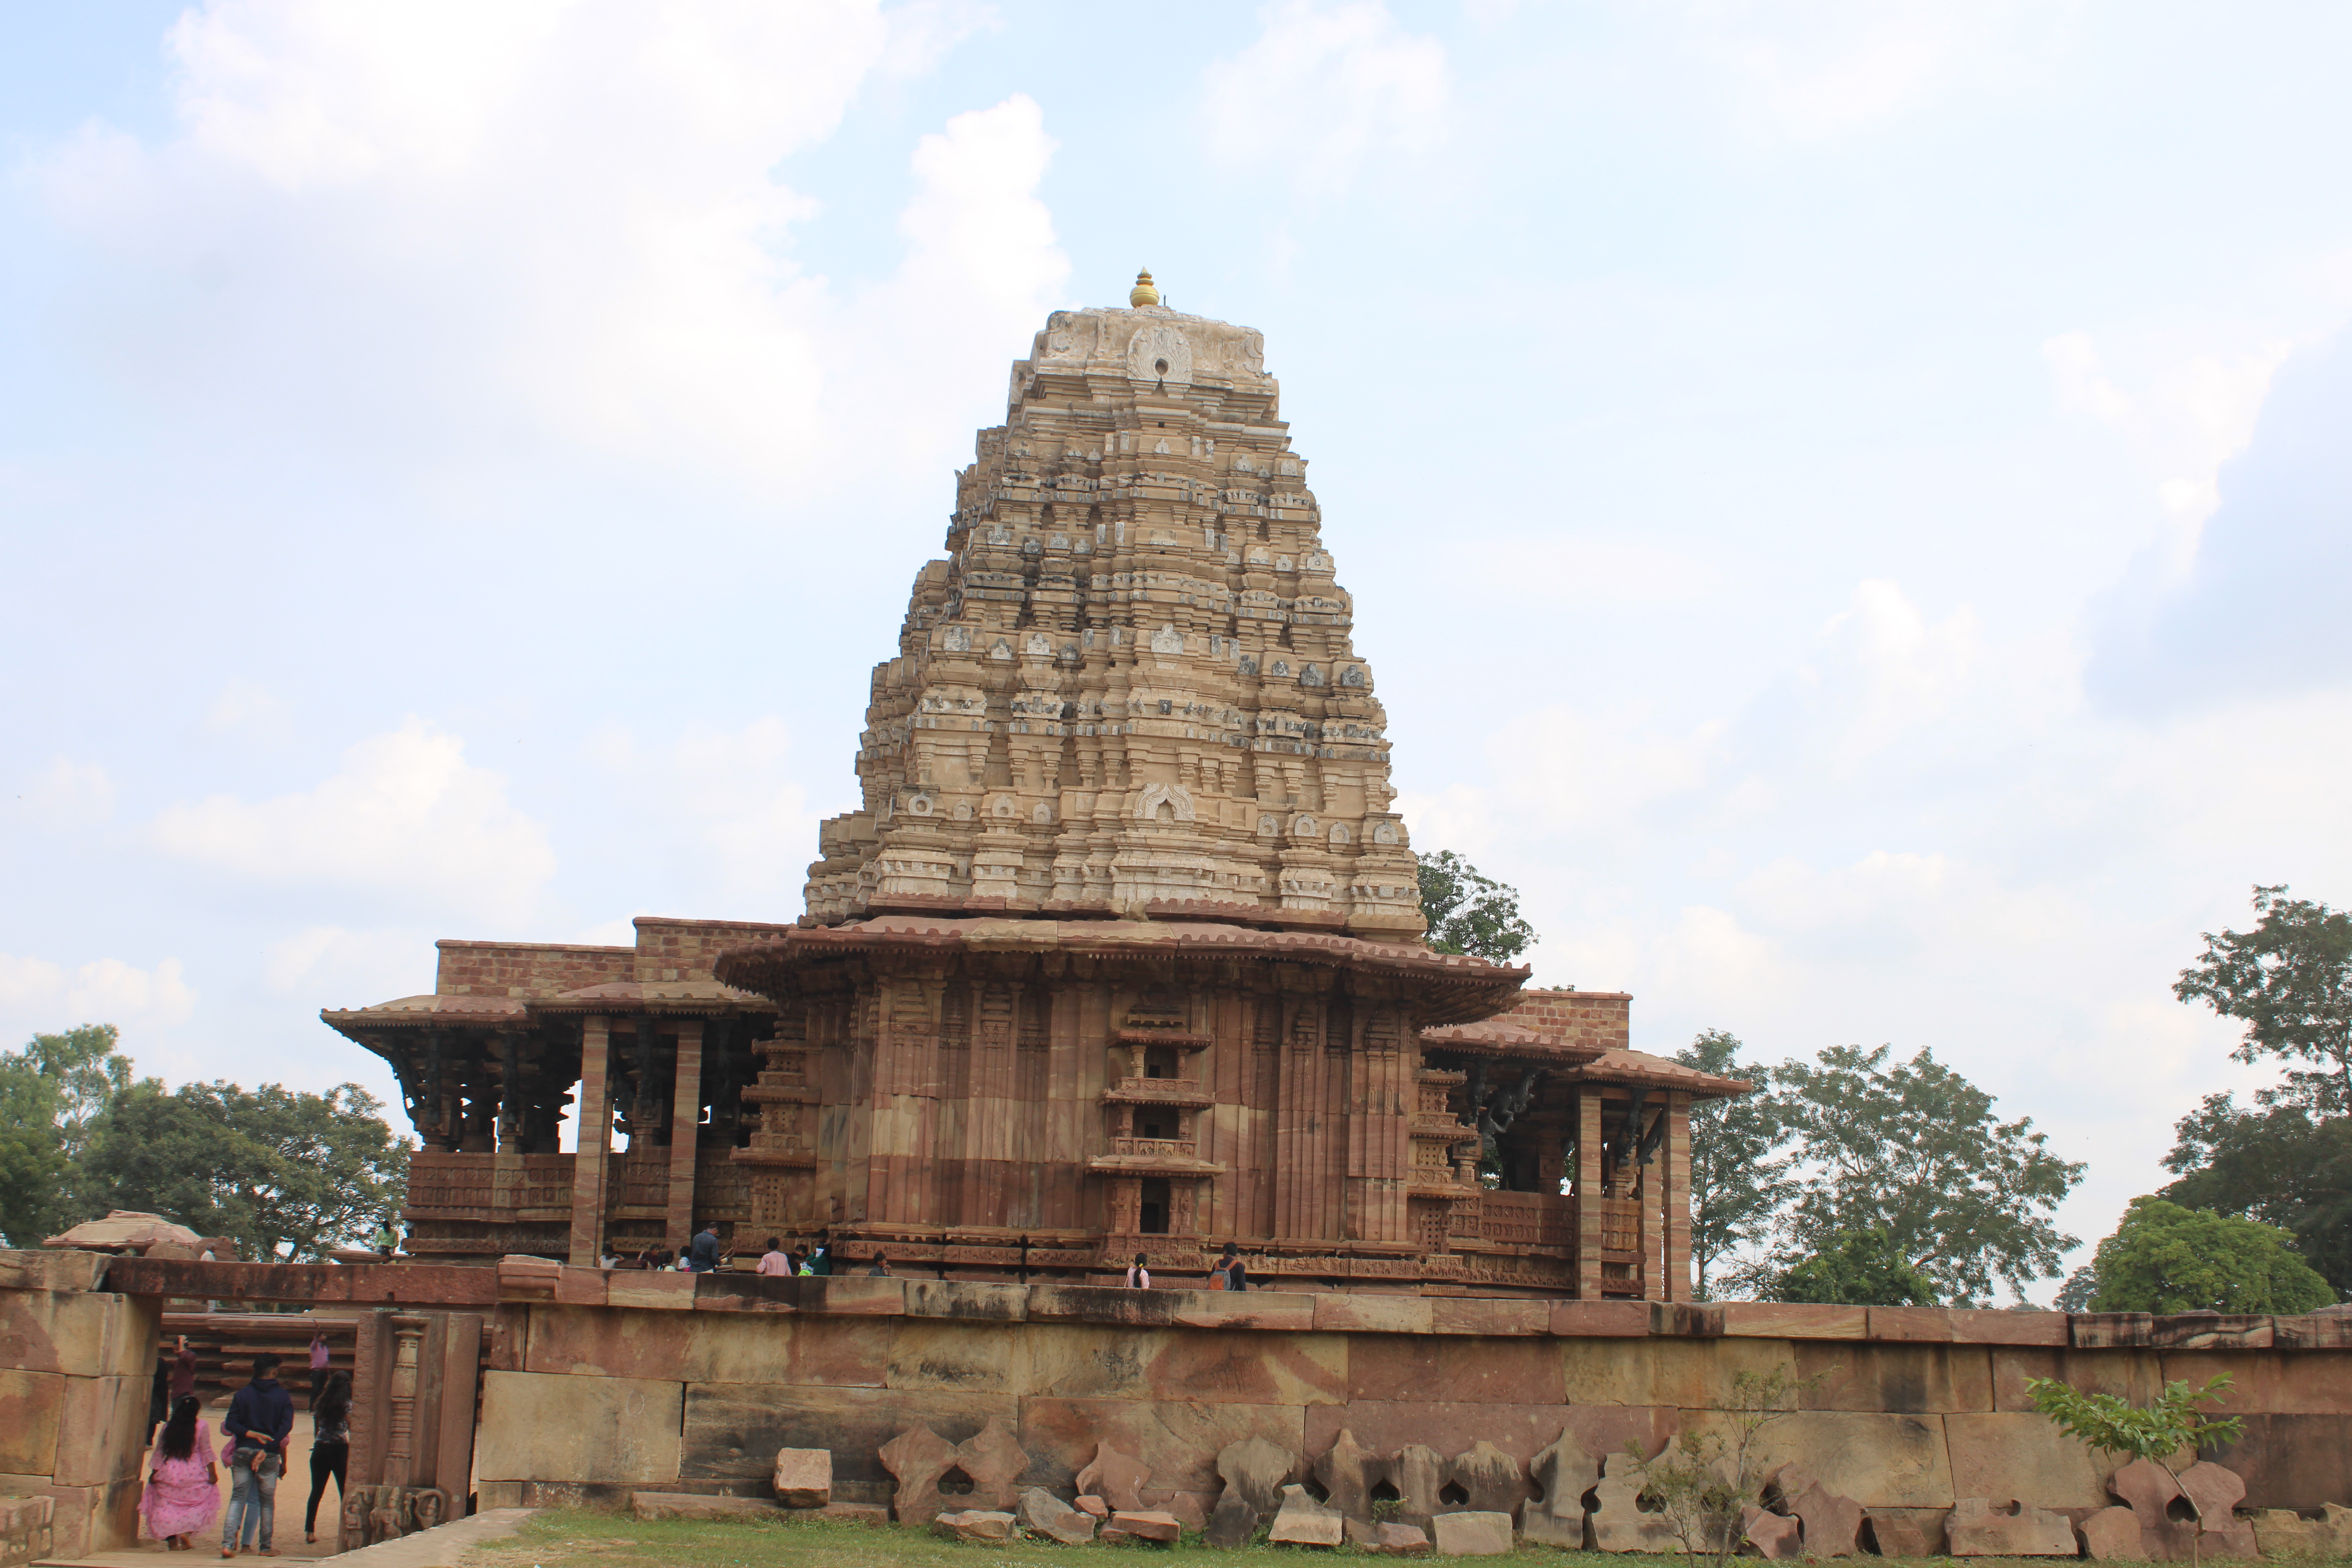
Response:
column 994, row 1460
column 102, row 1429
column 1978, row 1528
column 1775, row 1536
column 1472, row 1535
column 1833, row 1524
column 1116, row 1477
column 2281, row 1532
column 2112, row 1533
column 1602, row 1320
column 2215, row 1490
column 1474, row 1315
column 1490, row 1479
column 1795, row 1321
column 658, row 1290
column 1905, row 1534
column 804, row 1476
column 582, row 1286
column 973, row 1524
column 1232, row 1522
column 916, row 1460
column 1148, row 1524
column 696, row 1505
column 1049, row 1516
column 1349, row 1472
column 1094, row 1507
column 1565, row 1472
column 1617, row 1522
column 1399, row 1541
column 619, row 1430
column 1418, row 1473
column 856, row 1512
column 2232, row 1538
column 1303, row 1522
column 1257, row 1471
column 1351, row 1312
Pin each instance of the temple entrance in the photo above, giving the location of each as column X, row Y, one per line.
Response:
column 1155, row 1206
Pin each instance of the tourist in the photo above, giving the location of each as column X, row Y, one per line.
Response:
column 821, row 1260
column 703, row 1252
column 319, row 1358
column 184, row 1373
column 881, row 1265
column 607, row 1258
column 330, row 1449
column 1231, row 1265
column 182, row 1482
column 653, row 1257
column 801, row 1258
column 387, row 1239
column 260, row 1418
column 776, row 1260
column 1138, row 1277
column 684, row 1256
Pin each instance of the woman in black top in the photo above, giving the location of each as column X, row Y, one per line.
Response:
column 330, row 1447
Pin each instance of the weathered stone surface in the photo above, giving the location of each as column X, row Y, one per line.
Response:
column 1905, row 1533
column 1487, row 1315
column 32, row 1405
column 1969, row 1325
column 732, row 1430
column 2215, row 1489
column 974, row 1524
column 2111, row 1534
column 1833, row 1524
column 1303, row 1522
column 1399, row 1541
column 1092, row 1507
column 1373, row 1314
column 1232, row 1522
column 804, row 1476
column 2026, row 1457
column 1880, row 1461
column 1177, row 1441
column 916, row 1460
column 1775, row 1536
column 1978, row 1528
column 1602, row 1320
column 1418, row 1473
column 1472, row 1371
column 537, row 1428
column 2281, row 1532
column 2147, row 1489
column 1256, row 1470
column 1349, row 1472
column 1116, row 1477
column 1388, row 1426
column 697, row 1505
column 856, row 1512
column 1049, row 1516
column 1490, row 1479
column 1617, row 1522
column 1906, row 1379
column 1564, row 1472
column 1795, row 1321
column 993, row 1459
column 1472, row 1533
column 1147, row 1524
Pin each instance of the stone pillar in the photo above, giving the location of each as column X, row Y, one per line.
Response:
column 1676, row 1158
column 399, row 1444
column 1588, row 1192
column 684, row 1115
column 592, row 1167
column 1654, row 1206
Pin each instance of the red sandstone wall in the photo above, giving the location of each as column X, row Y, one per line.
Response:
column 526, row 968
column 685, row 949
column 1599, row 1019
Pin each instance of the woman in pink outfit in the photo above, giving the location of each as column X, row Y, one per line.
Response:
column 182, row 1483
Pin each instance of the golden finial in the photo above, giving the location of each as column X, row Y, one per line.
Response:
column 1143, row 293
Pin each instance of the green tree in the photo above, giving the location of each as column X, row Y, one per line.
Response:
column 51, row 1092
column 2154, row 1432
column 2289, row 979
column 1739, row 1179
column 2167, row 1259
column 1856, row 1268
column 2280, row 1164
column 288, row 1174
column 1469, row 914
column 1914, row 1151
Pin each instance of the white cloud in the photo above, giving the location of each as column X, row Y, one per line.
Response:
column 1323, row 88
column 334, row 967
column 738, row 821
column 39, row 996
column 67, row 793
column 1825, row 68
column 461, row 230
column 247, row 705
column 406, row 815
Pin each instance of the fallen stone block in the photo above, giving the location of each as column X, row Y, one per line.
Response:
column 1618, row 1521
column 1088, row 1503
column 695, row 1505
column 1303, row 1522
column 1491, row 1479
column 1047, row 1515
column 2111, row 1534
column 1833, row 1524
column 1777, row 1536
column 1978, row 1528
column 2281, row 1532
column 1400, row 1540
column 1233, row 1523
column 1895, row 1535
column 804, row 1476
column 1147, row 1524
column 974, row 1524
column 1469, row 1534
column 2215, row 1489
column 1117, row 1477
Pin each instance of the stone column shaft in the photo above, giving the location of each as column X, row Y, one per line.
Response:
column 685, row 1116
column 592, row 1166
column 1676, row 1159
column 1588, row 1192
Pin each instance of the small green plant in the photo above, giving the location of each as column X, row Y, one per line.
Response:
column 1702, row 1481
column 1387, row 1510
column 2154, row 1432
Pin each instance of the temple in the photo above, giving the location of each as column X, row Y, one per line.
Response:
column 1121, row 951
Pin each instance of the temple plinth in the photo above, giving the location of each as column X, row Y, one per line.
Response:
column 1120, row 953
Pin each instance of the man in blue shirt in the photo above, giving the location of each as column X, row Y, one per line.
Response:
column 702, row 1252
column 261, row 1419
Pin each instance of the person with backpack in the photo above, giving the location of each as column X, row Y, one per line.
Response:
column 1230, row 1272
column 261, row 1419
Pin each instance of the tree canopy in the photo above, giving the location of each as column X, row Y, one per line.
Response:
column 2289, row 979
column 2280, row 1164
column 288, row 1174
column 1856, row 1268
column 2168, row 1259
column 51, row 1094
column 1469, row 914
column 1739, row 1172
column 1914, row 1151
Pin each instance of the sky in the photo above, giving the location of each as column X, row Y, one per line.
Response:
column 1846, row 501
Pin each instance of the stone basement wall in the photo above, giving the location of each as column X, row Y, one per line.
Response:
column 76, row 1365
column 670, row 1382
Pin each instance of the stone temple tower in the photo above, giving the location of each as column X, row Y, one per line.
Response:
column 1120, row 951
column 1131, row 687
